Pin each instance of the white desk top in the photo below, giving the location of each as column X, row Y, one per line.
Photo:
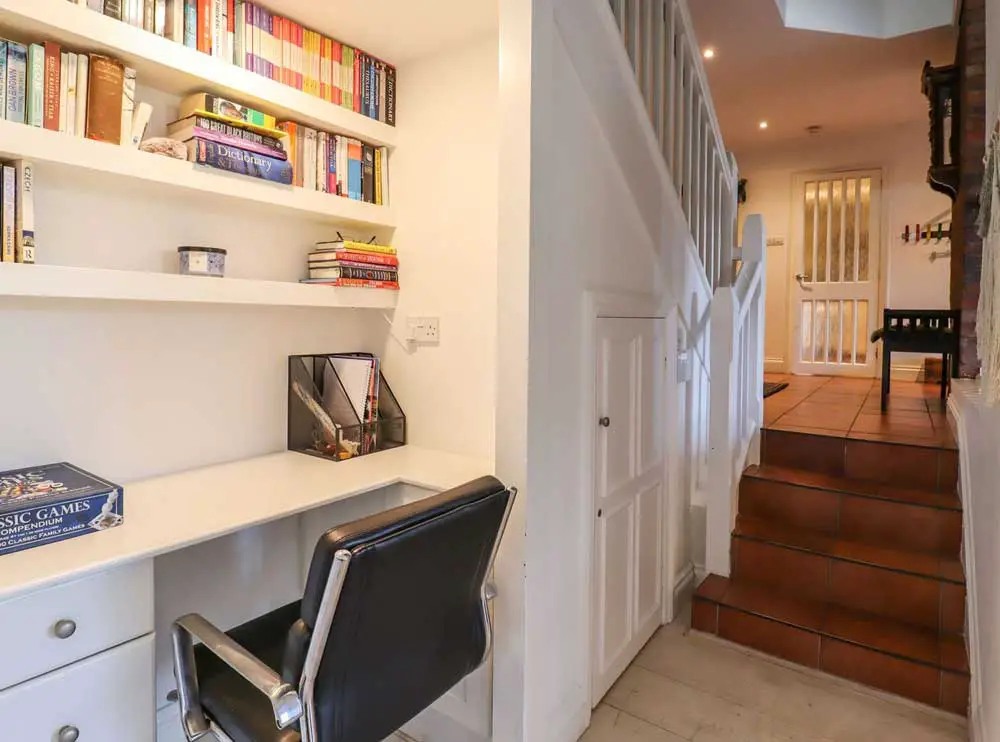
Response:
column 171, row 512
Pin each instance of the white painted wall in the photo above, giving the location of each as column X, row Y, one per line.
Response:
column 911, row 281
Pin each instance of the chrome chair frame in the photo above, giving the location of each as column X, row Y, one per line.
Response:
column 289, row 704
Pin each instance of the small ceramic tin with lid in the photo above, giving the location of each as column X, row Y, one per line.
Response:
column 202, row 261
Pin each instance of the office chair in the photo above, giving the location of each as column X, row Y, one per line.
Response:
column 394, row 614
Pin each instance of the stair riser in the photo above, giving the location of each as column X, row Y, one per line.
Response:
column 886, row 523
column 931, row 469
column 919, row 682
column 921, row 601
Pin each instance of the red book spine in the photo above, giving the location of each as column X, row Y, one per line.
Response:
column 300, row 78
column 283, row 31
column 335, row 82
column 205, row 26
column 362, row 257
column 53, row 62
column 360, row 283
column 357, row 81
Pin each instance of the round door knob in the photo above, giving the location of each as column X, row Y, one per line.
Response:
column 604, row 422
column 68, row 734
column 64, row 629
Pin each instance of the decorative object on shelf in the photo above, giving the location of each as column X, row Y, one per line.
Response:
column 45, row 504
column 165, row 146
column 988, row 311
column 202, row 261
column 340, row 406
column 941, row 85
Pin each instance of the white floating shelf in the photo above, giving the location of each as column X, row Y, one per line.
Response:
column 65, row 152
column 60, row 282
column 175, row 68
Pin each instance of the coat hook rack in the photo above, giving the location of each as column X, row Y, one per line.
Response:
column 936, row 230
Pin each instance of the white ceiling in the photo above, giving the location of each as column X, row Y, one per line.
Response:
column 793, row 78
column 394, row 30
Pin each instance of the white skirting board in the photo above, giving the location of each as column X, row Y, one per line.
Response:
column 685, row 582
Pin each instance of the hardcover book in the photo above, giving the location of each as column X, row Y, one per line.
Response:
column 104, row 114
column 45, row 504
column 53, row 59
column 368, row 174
column 149, row 15
column 113, row 9
column 347, row 271
column 3, row 77
column 329, row 258
column 354, row 283
column 390, row 95
column 24, row 213
column 82, row 93
column 8, row 246
column 17, row 81
column 337, row 246
column 191, row 23
column 240, row 161
column 207, row 103
column 35, row 104
column 196, row 132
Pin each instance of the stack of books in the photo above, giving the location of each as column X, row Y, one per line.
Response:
column 84, row 95
column 17, row 212
column 354, row 264
column 250, row 36
column 229, row 136
column 339, row 165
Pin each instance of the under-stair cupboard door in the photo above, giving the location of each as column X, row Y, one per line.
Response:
column 835, row 273
column 630, row 492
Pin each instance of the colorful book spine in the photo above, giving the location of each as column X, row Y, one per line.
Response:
column 368, row 173
column 378, row 176
column 24, row 217
column 364, row 273
column 300, row 57
column 385, row 175
column 248, row 48
column 72, row 73
column 205, row 26
column 336, row 76
column 218, row 22
column 354, row 283
column 82, row 94
column 17, row 81
column 113, row 9
column 240, row 161
column 331, row 165
column 8, row 215
column 358, row 61
column 53, row 59
column 230, row 130
column 230, row 30
column 390, row 95
column 292, row 148
column 213, row 104
column 322, row 139
column 35, row 105
column 258, row 60
column 326, row 256
column 191, row 23
column 231, row 141
column 128, row 105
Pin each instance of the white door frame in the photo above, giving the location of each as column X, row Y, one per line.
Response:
column 798, row 181
column 600, row 305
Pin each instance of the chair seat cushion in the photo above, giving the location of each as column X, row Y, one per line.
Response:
column 239, row 709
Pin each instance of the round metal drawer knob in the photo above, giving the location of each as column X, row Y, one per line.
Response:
column 64, row 629
column 68, row 734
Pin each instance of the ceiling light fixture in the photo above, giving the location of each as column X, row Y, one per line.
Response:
column 709, row 53
column 762, row 125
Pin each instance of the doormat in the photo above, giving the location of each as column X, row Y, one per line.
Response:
column 773, row 387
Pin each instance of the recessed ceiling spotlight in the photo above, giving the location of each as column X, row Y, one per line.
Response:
column 709, row 53
column 762, row 125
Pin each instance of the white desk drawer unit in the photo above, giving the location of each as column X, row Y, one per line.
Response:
column 59, row 625
column 106, row 698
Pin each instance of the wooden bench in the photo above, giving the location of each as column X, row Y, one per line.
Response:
column 919, row 331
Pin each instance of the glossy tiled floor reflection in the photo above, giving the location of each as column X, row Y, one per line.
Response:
column 693, row 687
column 850, row 408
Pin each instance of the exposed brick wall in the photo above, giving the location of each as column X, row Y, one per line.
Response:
column 967, row 248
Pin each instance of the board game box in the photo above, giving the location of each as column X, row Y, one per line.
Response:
column 45, row 504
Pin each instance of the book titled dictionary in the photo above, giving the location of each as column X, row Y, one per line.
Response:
column 239, row 161
column 46, row 504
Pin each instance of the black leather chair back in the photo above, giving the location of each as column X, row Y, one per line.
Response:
column 410, row 622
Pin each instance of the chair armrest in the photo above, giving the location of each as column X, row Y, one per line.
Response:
column 284, row 698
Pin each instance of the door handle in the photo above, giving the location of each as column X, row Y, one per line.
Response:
column 801, row 278
column 604, row 422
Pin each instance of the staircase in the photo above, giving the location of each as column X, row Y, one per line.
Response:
column 845, row 559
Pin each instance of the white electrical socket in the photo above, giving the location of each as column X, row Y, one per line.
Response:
column 425, row 330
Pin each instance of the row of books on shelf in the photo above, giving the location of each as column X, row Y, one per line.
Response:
column 250, row 36
column 226, row 135
column 84, row 95
column 354, row 264
column 17, row 212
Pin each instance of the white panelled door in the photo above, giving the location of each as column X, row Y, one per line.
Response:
column 835, row 273
column 630, row 494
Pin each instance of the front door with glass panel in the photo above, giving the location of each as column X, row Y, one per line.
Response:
column 835, row 273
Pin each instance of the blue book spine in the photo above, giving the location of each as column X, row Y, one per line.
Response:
column 240, row 161
column 331, row 165
column 17, row 81
column 3, row 78
column 191, row 23
column 354, row 179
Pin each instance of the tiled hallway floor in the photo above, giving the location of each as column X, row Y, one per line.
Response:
column 850, row 408
column 686, row 686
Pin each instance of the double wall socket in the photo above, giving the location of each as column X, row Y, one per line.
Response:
column 426, row 330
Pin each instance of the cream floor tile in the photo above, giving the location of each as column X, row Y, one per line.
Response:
column 608, row 724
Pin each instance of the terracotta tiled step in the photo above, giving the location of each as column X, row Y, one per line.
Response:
column 929, row 467
column 879, row 652
column 917, row 588
column 857, row 510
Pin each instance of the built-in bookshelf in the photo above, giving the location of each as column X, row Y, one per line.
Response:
column 177, row 69
column 60, row 282
column 52, row 151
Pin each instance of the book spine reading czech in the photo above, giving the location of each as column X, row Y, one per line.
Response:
column 248, row 35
